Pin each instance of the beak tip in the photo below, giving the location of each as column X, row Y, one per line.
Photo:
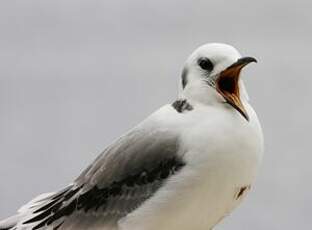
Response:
column 241, row 62
column 250, row 59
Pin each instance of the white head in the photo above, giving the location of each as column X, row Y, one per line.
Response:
column 212, row 75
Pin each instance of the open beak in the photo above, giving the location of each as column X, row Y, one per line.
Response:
column 227, row 84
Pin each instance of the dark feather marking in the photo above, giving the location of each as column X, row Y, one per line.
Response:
column 184, row 77
column 65, row 211
column 40, row 225
column 58, row 226
column 241, row 192
column 71, row 193
column 38, row 217
column 47, row 206
column 52, row 207
column 97, row 198
column 62, row 192
column 182, row 105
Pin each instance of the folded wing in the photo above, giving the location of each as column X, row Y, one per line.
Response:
column 125, row 175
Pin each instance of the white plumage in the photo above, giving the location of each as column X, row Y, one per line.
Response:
column 186, row 166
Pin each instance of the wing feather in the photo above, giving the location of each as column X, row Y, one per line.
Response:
column 125, row 175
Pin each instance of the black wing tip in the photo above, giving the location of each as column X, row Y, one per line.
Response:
column 65, row 203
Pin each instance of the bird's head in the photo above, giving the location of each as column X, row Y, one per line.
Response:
column 212, row 74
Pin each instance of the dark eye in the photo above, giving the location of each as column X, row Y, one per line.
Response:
column 205, row 64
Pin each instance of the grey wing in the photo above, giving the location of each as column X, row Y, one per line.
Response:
column 124, row 176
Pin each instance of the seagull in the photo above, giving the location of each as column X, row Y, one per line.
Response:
column 186, row 166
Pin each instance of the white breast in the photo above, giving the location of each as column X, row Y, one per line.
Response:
column 222, row 153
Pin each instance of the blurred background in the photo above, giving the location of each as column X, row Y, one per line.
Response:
column 74, row 75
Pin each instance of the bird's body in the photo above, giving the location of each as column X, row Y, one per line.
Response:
column 184, row 167
column 216, row 177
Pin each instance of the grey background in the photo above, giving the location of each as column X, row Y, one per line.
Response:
column 74, row 75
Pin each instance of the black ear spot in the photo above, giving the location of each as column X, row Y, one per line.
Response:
column 184, row 77
column 205, row 64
